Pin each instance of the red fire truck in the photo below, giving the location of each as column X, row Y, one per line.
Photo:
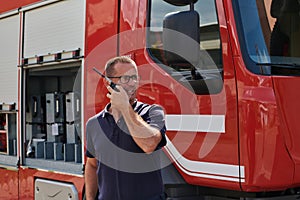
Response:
column 226, row 73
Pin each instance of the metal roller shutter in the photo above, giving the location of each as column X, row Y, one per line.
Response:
column 9, row 51
column 54, row 28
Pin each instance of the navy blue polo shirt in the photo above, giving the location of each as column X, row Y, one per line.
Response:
column 124, row 171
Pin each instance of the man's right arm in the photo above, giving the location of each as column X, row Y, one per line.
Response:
column 90, row 177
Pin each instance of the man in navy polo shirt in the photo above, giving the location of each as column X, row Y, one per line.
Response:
column 124, row 141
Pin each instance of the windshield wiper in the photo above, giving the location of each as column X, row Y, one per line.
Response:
column 283, row 65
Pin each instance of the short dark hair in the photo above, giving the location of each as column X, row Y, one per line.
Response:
column 109, row 66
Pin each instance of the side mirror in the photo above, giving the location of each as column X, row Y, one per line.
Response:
column 181, row 37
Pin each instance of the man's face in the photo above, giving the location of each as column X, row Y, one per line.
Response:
column 129, row 80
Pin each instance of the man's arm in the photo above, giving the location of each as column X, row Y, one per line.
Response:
column 145, row 136
column 90, row 177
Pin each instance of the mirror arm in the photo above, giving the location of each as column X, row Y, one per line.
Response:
column 191, row 6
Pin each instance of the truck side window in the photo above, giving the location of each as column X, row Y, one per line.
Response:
column 204, row 77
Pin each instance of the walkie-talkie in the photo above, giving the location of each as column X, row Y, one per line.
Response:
column 111, row 84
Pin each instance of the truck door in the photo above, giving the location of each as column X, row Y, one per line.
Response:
column 197, row 89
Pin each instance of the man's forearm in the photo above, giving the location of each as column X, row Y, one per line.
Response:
column 145, row 136
column 91, row 182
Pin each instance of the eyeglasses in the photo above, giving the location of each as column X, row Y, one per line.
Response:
column 126, row 78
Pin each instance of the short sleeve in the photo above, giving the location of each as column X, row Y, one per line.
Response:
column 90, row 149
column 156, row 119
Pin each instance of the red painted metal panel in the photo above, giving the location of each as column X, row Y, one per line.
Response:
column 15, row 4
column 9, row 183
column 27, row 177
column 101, row 44
column 287, row 96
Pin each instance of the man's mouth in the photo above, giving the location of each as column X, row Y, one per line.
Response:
column 130, row 92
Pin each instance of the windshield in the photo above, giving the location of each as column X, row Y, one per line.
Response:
column 270, row 34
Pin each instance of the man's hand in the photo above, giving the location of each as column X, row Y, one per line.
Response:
column 119, row 100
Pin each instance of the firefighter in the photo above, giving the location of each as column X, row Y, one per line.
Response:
column 124, row 141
